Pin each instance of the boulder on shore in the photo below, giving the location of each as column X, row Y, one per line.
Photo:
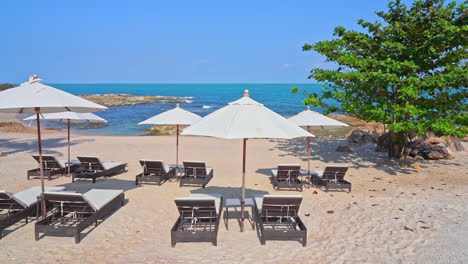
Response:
column 343, row 149
column 426, row 147
column 360, row 137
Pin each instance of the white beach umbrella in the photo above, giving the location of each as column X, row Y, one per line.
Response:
column 177, row 117
column 313, row 120
column 244, row 119
column 35, row 97
column 69, row 118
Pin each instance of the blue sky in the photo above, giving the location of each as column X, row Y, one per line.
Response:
column 91, row 41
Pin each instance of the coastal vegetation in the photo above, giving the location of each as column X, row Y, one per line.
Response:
column 408, row 71
column 4, row 86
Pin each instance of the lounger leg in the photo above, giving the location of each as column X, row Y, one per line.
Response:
column 77, row 237
column 73, row 177
column 304, row 240
column 36, row 236
column 136, row 181
column 94, row 179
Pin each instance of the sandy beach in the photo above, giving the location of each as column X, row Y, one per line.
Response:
column 366, row 226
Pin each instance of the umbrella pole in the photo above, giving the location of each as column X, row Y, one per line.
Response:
column 68, row 121
column 243, row 184
column 41, row 170
column 308, row 155
column 177, row 146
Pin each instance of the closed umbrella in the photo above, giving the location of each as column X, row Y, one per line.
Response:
column 314, row 120
column 177, row 117
column 35, row 97
column 244, row 119
column 69, row 118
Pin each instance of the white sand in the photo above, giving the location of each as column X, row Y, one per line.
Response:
column 366, row 227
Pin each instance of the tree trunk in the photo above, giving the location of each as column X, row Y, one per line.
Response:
column 397, row 145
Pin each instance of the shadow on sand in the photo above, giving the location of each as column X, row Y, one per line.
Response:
column 325, row 151
column 12, row 146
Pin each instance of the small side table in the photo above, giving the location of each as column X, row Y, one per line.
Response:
column 180, row 170
column 236, row 203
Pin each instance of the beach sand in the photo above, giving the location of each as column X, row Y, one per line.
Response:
column 367, row 225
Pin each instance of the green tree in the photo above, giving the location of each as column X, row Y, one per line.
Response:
column 408, row 71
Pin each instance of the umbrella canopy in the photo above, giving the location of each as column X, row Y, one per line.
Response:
column 314, row 120
column 176, row 116
column 244, row 119
column 69, row 117
column 35, row 97
column 75, row 118
column 28, row 97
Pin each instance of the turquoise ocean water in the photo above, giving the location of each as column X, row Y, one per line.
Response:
column 201, row 99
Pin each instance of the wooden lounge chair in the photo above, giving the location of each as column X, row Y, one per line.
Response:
column 196, row 174
column 74, row 212
column 332, row 177
column 277, row 218
column 199, row 219
column 18, row 206
column 287, row 176
column 154, row 171
column 51, row 167
column 93, row 167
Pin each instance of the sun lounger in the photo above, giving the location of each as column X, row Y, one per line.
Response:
column 51, row 167
column 93, row 167
column 154, row 171
column 286, row 176
column 74, row 212
column 18, row 206
column 332, row 177
column 277, row 218
column 199, row 219
column 196, row 174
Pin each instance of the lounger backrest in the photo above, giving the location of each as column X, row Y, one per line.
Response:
column 49, row 162
column 68, row 202
column 333, row 173
column 196, row 208
column 281, row 206
column 155, row 167
column 194, row 168
column 290, row 172
column 91, row 163
column 7, row 201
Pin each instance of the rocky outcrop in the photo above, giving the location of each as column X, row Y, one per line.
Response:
column 130, row 99
column 360, row 137
column 15, row 127
column 425, row 147
column 343, row 149
column 161, row 130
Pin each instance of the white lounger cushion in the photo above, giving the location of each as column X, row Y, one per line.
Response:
column 111, row 164
column 202, row 196
column 259, row 199
column 96, row 198
column 29, row 197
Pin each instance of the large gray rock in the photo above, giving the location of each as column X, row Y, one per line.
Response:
column 360, row 137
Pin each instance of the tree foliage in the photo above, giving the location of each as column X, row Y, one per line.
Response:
column 408, row 70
